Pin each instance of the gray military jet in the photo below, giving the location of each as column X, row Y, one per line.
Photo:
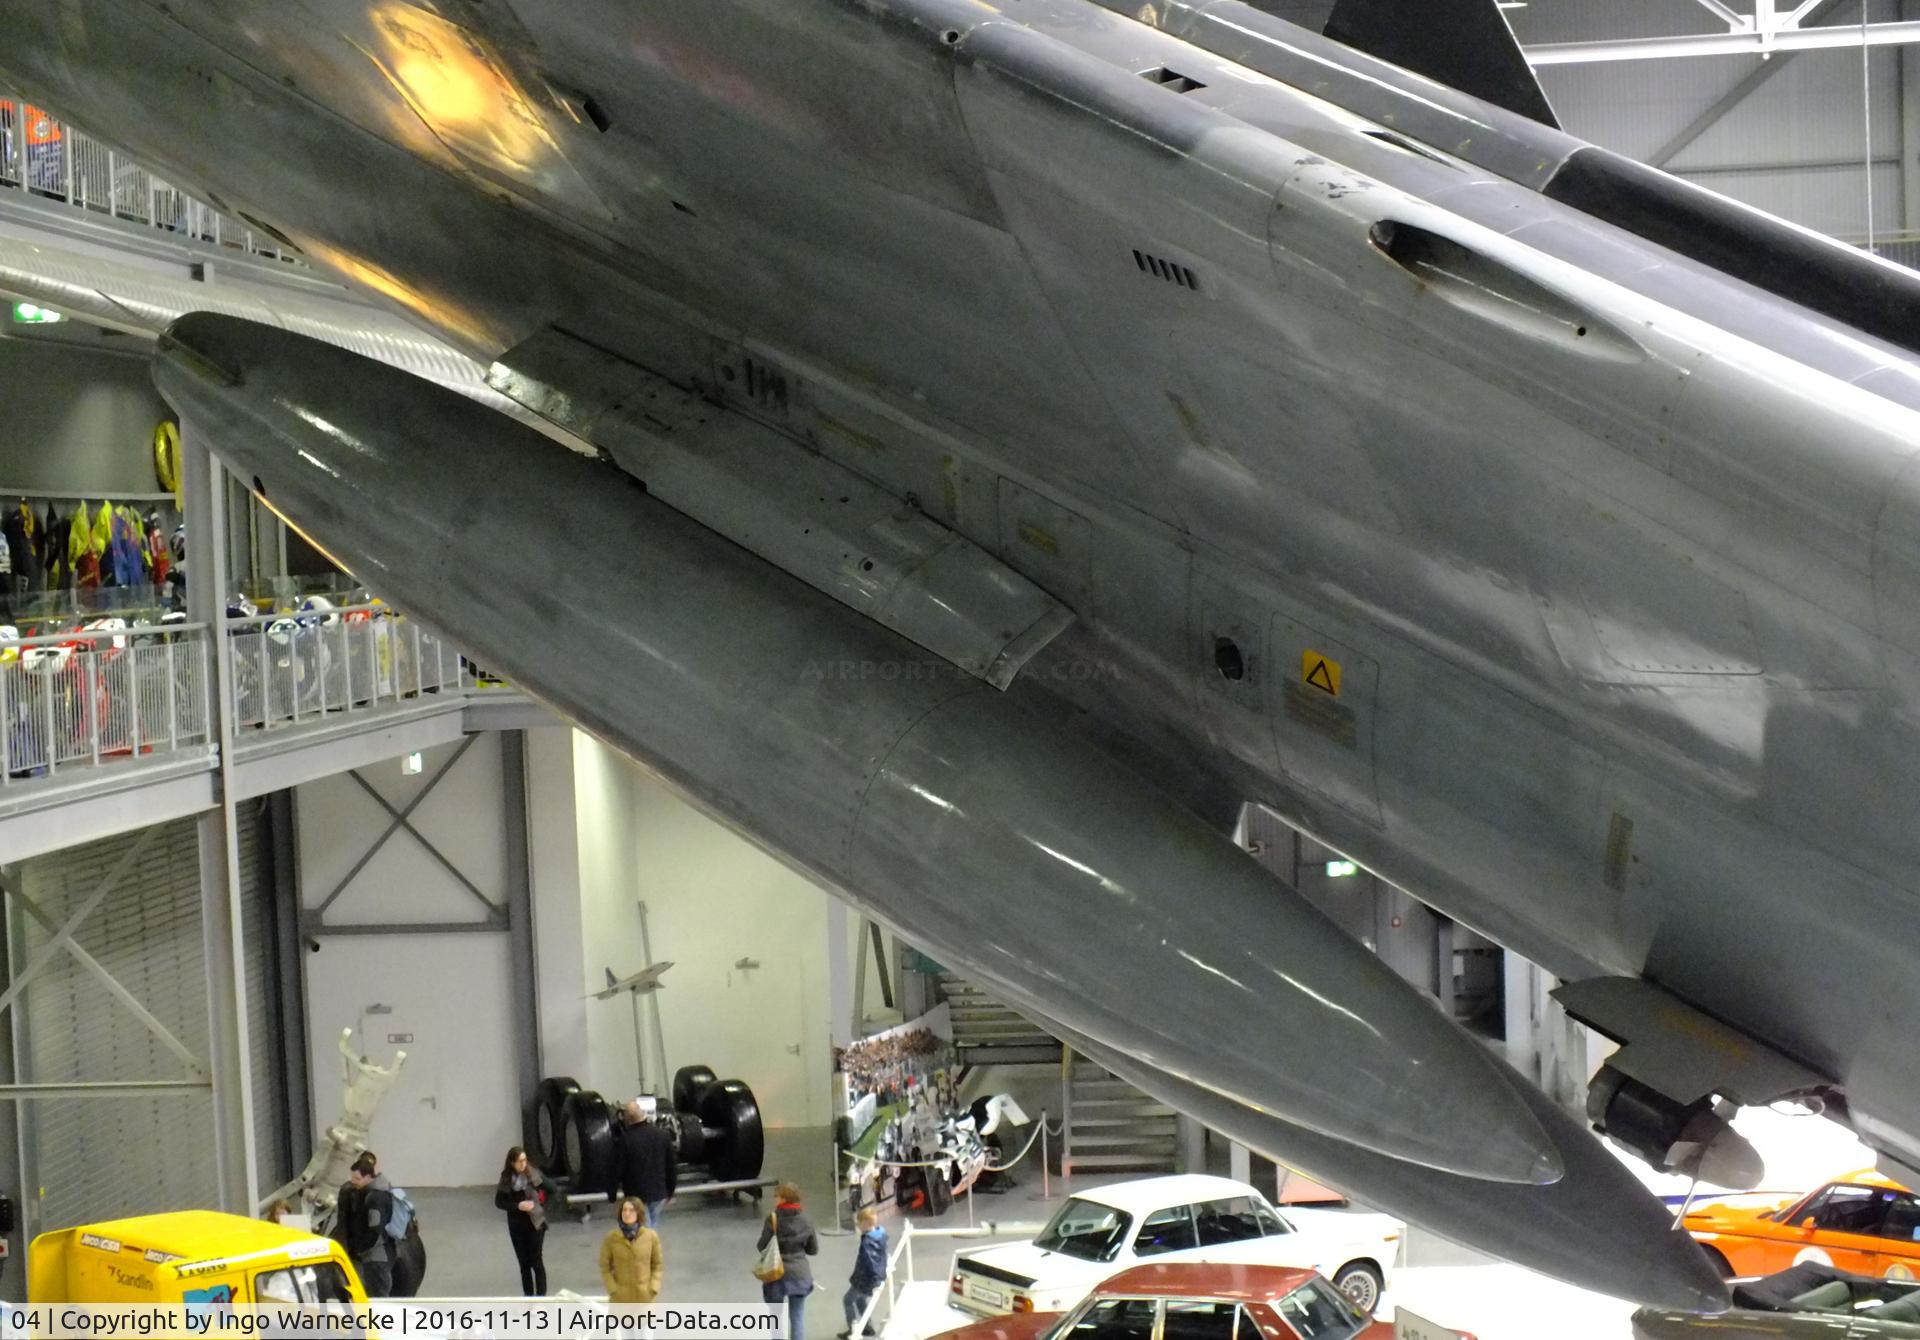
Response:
column 1025, row 432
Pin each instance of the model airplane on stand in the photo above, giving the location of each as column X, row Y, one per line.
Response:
column 1029, row 431
column 647, row 979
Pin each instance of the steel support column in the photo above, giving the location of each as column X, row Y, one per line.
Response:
column 519, row 899
column 290, row 981
column 14, row 1179
column 842, row 1027
column 1724, row 44
column 1910, row 126
column 858, row 1012
column 1192, row 1134
column 235, row 1162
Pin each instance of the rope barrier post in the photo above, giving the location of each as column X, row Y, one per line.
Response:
column 841, row 1193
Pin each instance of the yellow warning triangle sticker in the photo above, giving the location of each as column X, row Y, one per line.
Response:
column 1320, row 672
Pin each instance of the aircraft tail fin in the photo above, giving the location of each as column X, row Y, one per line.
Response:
column 1464, row 44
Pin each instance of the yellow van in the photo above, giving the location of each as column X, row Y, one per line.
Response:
column 190, row 1256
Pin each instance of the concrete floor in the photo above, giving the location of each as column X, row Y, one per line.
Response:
column 709, row 1247
column 708, row 1241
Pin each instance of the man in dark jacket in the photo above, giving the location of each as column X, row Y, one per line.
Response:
column 360, row 1224
column 647, row 1167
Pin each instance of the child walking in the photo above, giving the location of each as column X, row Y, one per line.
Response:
column 869, row 1271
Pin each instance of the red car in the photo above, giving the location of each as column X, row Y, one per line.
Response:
column 1197, row 1301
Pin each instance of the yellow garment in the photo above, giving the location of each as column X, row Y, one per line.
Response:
column 102, row 529
column 631, row 1271
column 80, row 536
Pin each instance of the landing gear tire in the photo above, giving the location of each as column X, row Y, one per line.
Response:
column 1361, row 1283
column 593, row 1154
column 691, row 1146
column 546, row 1142
column 689, row 1082
column 939, row 1192
column 735, row 1141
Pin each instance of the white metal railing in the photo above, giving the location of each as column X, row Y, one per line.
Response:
column 317, row 665
column 43, row 156
column 93, row 697
column 900, row 1260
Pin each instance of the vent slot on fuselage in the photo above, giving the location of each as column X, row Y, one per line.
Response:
column 1172, row 79
column 765, row 386
column 1165, row 269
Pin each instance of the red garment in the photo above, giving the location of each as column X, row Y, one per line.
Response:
column 159, row 555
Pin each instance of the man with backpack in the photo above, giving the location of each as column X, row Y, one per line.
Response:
column 403, row 1229
column 361, row 1223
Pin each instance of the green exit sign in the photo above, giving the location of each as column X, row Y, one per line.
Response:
column 32, row 314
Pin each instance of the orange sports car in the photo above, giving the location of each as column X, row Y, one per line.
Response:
column 1865, row 1224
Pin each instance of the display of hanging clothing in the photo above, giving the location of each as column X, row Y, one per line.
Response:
column 22, row 531
column 124, row 565
column 55, row 569
column 82, row 561
column 159, row 554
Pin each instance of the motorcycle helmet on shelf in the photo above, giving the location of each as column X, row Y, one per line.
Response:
column 317, row 610
column 111, row 624
column 44, row 660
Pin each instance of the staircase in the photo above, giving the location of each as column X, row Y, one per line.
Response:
column 985, row 1032
column 1112, row 1126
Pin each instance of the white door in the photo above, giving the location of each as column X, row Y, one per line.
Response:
column 445, row 1001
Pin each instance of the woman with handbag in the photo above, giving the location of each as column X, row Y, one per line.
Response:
column 523, row 1195
column 787, row 1239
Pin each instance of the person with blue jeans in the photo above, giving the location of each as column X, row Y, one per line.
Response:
column 869, row 1272
column 798, row 1241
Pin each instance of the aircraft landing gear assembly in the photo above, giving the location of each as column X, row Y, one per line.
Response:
column 1671, row 1091
column 714, row 1126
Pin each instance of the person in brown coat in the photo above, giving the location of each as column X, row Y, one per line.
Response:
column 630, row 1261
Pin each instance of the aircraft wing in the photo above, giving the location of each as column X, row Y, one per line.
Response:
column 142, row 299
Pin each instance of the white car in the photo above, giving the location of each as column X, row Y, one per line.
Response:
column 1190, row 1217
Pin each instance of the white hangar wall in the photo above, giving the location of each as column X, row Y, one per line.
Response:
column 444, row 993
column 603, row 835
column 713, row 900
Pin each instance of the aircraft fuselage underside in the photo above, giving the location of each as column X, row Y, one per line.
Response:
column 1559, row 580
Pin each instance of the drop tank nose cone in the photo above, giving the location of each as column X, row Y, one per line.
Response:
column 1177, row 946
column 1596, row 1227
